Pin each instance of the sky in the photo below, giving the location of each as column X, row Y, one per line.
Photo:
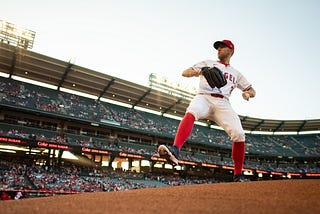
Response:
column 276, row 43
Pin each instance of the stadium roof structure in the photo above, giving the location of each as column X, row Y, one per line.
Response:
column 23, row 63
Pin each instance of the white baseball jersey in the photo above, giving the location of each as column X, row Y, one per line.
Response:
column 205, row 106
column 234, row 79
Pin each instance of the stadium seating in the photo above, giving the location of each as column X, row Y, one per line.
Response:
column 24, row 95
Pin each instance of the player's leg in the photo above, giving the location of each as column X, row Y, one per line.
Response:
column 184, row 130
column 198, row 108
column 229, row 120
column 171, row 153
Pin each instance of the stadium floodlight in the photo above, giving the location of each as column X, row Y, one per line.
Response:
column 171, row 87
column 16, row 36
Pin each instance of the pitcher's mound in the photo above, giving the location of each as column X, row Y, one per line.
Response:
column 281, row 196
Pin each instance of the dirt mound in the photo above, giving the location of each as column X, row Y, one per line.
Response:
column 281, row 196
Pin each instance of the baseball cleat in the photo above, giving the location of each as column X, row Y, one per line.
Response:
column 240, row 178
column 170, row 153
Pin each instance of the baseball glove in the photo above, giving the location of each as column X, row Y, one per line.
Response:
column 214, row 76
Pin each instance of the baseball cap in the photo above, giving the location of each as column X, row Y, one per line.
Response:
column 225, row 42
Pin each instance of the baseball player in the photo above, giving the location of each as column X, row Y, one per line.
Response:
column 213, row 103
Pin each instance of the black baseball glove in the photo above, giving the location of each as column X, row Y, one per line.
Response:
column 214, row 76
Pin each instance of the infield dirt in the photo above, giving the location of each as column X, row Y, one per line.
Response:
column 279, row 196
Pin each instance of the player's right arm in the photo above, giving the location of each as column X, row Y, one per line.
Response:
column 191, row 72
column 249, row 93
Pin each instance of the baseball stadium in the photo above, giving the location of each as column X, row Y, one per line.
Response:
column 75, row 140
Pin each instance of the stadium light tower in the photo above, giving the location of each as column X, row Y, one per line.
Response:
column 171, row 86
column 16, row 36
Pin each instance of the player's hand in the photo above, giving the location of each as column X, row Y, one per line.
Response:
column 246, row 96
column 197, row 72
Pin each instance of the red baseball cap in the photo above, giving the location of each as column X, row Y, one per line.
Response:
column 225, row 42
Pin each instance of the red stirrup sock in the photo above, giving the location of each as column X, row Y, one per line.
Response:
column 184, row 130
column 238, row 156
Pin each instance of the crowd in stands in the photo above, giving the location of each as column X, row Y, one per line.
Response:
column 134, row 148
column 24, row 176
column 33, row 97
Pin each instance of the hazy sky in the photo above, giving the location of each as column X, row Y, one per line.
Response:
column 276, row 43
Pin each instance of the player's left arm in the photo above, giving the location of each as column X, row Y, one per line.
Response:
column 248, row 93
column 195, row 70
column 192, row 72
